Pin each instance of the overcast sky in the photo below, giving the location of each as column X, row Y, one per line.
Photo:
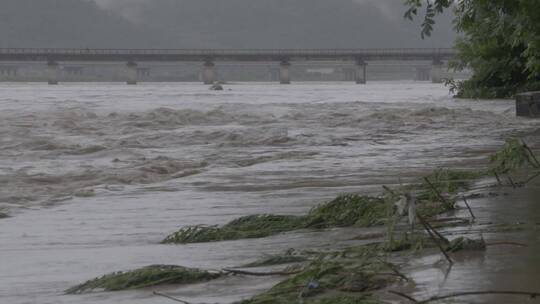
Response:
column 213, row 24
column 133, row 8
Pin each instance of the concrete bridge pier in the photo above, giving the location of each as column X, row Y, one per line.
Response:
column 273, row 74
column 361, row 72
column 209, row 72
column 423, row 73
column 131, row 73
column 349, row 74
column 437, row 72
column 53, row 72
column 284, row 72
column 8, row 72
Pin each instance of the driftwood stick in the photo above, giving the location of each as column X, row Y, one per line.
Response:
column 403, row 296
column 398, row 273
column 511, row 181
column 532, row 155
column 436, row 240
column 386, row 188
column 530, row 179
column 394, row 269
column 469, row 207
column 532, row 295
column 433, row 230
column 260, row 274
column 436, row 191
column 507, row 243
column 170, row 298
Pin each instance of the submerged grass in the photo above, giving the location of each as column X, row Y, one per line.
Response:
column 435, row 195
column 144, row 277
column 3, row 215
column 340, row 277
column 514, row 155
column 443, row 184
column 289, row 257
column 253, row 226
column 463, row 243
column 344, row 211
column 347, row 210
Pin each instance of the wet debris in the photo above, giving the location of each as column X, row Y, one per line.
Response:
column 515, row 159
column 253, row 226
column 289, row 257
column 463, row 243
column 344, row 211
column 340, row 279
column 435, row 196
column 145, row 277
column 216, row 87
column 530, row 295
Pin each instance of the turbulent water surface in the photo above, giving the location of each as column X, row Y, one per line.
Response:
column 95, row 175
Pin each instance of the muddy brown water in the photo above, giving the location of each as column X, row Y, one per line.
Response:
column 95, row 175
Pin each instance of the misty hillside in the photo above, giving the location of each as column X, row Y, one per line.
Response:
column 211, row 23
column 62, row 23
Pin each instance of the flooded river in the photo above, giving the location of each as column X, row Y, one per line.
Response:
column 95, row 175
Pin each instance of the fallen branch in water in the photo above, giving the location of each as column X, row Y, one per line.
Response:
column 394, row 269
column 533, row 177
column 507, row 243
column 469, row 207
column 442, row 238
column 260, row 274
column 170, row 298
column 403, row 296
column 535, row 164
column 439, row 195
column 389, row 190
column 511, row 181
column 532, row 295
column 435, row 239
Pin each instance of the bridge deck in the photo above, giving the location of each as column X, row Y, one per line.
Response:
column 63, row 54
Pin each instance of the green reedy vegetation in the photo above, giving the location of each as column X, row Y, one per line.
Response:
column 289, row 257
column 349, row 275
column 514, row 156
column 344, row 211
column 347, row 210
column 341, row 277
column 144, row 277
column 253, row 226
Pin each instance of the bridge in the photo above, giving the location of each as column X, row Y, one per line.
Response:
column 53, row 57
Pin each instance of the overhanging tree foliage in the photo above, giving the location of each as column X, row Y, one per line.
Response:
column 500, row 43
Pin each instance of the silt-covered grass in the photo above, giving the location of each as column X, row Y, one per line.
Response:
column 145, row 277
column 340, row 277
column 344, row 211
column 253, row 226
